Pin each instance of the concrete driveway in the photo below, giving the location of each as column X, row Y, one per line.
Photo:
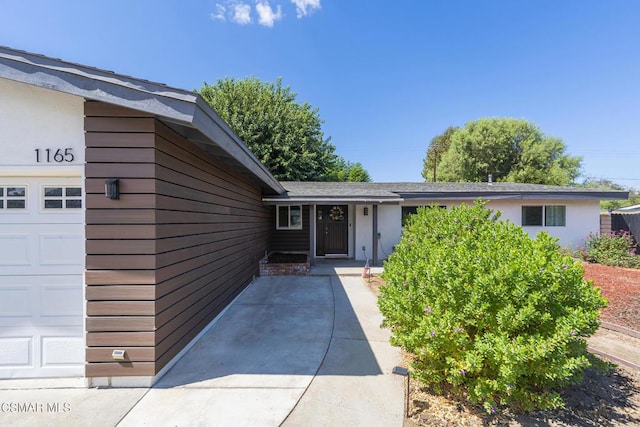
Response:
column 289, row 351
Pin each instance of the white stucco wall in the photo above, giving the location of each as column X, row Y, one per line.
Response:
column 34, row 118
column 364, row 230
column 390, row 229
column 582, row 218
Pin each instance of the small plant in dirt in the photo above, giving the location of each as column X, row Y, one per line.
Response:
column 617, row 249
column 488, row 312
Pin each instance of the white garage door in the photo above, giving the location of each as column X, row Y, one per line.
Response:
column 41, row 277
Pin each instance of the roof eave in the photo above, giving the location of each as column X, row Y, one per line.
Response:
column 495, row 195
column 177, row 106
column 454, row 196
column 320, row 200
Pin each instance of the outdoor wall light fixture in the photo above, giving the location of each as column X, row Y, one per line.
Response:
column 112, row 188
column 365, row 212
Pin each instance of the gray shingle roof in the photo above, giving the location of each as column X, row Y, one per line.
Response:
column 390, row 192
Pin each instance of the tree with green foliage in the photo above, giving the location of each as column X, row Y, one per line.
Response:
column 285, row 135
column 345, row 171
column 606, row 184
column 487, row 311
column 357, row 173
column 439, row 145
column 508, row 149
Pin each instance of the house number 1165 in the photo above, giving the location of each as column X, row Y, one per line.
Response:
column 50, row 155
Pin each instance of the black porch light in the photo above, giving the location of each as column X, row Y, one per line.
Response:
column 112, row 188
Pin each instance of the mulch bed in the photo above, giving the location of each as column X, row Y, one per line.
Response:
column 621, row 286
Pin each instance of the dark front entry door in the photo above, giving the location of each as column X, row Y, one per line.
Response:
column 332, row 230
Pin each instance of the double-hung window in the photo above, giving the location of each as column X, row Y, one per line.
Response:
column 555, row 216
column 549, row 216
column 289, row 217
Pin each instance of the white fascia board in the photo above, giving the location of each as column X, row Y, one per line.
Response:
column 333, row 200
column 521, row 196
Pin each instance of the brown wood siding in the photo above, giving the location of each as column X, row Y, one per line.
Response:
column 290, row 240
column 182, row 241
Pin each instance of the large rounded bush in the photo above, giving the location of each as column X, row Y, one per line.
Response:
column 487, row 310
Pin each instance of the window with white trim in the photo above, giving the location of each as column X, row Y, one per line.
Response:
column 13, row 197
column 555, row 216
column 61, row 198
column 549, row 216
column 289, row 217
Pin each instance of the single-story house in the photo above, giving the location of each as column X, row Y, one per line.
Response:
column 364, row 220
column 131, row 216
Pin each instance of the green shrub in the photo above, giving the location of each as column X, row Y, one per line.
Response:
column 617, row 249
column 487, row 311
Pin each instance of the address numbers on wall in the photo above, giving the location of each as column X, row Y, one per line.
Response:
column 53, row 155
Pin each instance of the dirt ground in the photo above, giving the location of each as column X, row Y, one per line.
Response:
column 602, row 399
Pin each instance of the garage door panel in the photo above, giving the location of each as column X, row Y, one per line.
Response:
column 16, row 352
column 61, row 249
column 41, row 300
column 15, row 301
column 45, row 352
column 61, row 302
column 41, row 252
column 14, row 250
column 63, row 350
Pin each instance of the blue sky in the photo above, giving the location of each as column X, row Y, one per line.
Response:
column 386, row 76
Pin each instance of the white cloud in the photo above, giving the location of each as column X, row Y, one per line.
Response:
column 266, row 15
column 220, row 12
column 305, row 7
column 241, row 13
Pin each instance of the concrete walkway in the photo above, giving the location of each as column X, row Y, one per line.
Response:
column 355, row 385
column 298, row 351
column 616, row 344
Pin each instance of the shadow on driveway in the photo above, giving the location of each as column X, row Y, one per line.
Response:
column 263, row 361
column 280, row 326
